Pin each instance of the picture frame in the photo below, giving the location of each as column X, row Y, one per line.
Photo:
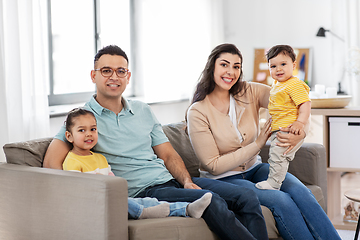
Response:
column 302, row 70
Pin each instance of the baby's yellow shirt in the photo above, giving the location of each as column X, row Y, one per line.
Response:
column 285, row 98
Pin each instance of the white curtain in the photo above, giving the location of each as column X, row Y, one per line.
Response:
column 171, row 53
column 23, row 71
column 346, row 23
column 353, row 40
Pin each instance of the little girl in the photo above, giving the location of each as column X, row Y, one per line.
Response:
column 81, row 132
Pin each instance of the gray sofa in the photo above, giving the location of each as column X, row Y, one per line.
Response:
column 38, row 203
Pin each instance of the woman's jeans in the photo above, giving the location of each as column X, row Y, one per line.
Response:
column 234, row 212
column 136, row 206
column 295, row 209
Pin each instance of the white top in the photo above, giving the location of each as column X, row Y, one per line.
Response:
column 232, row 115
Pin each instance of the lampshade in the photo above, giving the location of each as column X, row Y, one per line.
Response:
column 321, row 32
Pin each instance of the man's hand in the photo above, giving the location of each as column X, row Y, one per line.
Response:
column 174, row 164
column 191, row 185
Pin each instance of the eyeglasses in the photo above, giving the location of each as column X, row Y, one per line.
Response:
column 108, row 72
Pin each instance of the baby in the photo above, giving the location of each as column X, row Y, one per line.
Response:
column 289, row 106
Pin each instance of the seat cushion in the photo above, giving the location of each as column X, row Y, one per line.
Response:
column 185, row 228
column 317, row 192
column 273, row 233
column 170, row 228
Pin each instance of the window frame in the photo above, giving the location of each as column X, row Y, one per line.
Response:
column 76, row 97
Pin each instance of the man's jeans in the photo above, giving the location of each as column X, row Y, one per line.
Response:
column 234, row 212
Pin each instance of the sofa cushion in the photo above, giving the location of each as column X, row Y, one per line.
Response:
column 170, row 228
column 30, row 153
column 318, row 194
column 181, row 143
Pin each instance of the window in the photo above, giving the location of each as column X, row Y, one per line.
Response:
column 114, row 28
column 77, row 30
column 72, row 48
column 167, row 43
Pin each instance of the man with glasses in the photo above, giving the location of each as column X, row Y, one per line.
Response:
column 133, row 142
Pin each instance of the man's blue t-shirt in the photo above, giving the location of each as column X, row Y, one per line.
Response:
column 126, row 140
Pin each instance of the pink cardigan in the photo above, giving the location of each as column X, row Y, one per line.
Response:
column 214, row 138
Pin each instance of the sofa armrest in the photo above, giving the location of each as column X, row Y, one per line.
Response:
column 39, row 203
column 309, row 164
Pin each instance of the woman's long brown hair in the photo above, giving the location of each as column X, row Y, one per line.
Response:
column 206, row 82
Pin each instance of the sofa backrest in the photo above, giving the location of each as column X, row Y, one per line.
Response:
column 181, row 143
column 31, row 153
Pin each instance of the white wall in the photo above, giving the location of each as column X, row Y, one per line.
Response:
column 263, row 23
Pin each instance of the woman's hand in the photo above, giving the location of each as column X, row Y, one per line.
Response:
column 264, row 134
column 289, row 140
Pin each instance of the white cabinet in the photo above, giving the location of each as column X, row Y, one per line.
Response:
column 344, row 142
column 335, row 153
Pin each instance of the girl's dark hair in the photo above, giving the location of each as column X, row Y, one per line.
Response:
column 206, row 82
column 76, row 112
column 283, row 49
column 111, row 50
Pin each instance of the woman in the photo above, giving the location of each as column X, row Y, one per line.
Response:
column 223, row 126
